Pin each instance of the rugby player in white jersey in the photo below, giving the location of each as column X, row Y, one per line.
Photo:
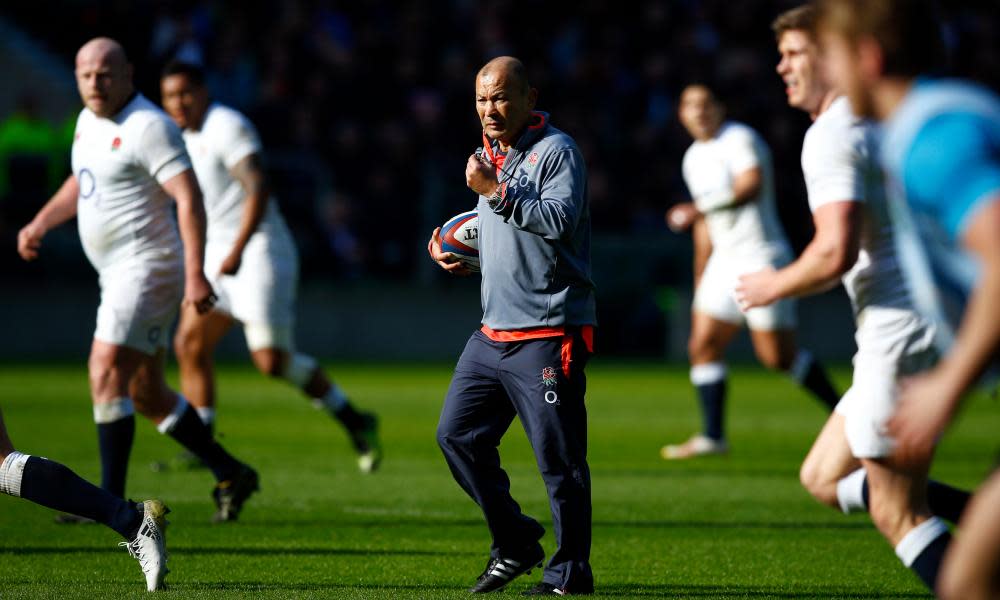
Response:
column 941, row 153
column 733, row 216
column 850, row 465
column 252, row 261
column 129, row 168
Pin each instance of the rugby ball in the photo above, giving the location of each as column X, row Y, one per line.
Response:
column 460, row 236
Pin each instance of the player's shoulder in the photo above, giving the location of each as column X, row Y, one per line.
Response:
column 140, row 112
column 737, row 132
column 221, row 117
column 942, row 111
column 837, row 131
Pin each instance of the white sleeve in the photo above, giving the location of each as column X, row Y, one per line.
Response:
column 162, row 151
column 741, row 152
column 235, row 138
column 833, row 168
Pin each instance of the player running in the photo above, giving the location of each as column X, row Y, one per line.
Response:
column 252, row 262
column 129, row 168
column 941, row 153
column 733, row 218
column 851, row 465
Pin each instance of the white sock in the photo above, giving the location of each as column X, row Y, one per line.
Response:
column 117, row 409
column 167, row 425
column 918, row 538
column 11, row 471
column 206, row 414
column 850, row 492
column 708, row 373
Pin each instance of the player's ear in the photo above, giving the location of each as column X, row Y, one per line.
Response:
column 870, row 58
column 532, row 97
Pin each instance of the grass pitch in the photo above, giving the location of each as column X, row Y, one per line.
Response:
column 732, row 527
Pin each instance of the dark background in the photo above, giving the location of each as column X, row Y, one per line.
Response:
column 367, row 114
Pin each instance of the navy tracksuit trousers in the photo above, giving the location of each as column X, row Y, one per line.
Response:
column 493, row 382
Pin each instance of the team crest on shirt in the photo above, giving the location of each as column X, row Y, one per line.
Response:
column 116, row 144
column 533, row 158
column 549, row 376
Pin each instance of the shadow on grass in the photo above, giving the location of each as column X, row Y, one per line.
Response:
column 251, row 551
column 742, row 591
column 431, row 522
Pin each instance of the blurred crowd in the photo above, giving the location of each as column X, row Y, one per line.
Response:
column 366, row 107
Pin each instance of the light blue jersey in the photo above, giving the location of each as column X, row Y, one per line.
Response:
column 941, row 155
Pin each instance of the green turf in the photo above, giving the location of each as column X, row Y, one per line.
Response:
column 738, row 527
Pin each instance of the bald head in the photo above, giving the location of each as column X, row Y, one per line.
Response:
column 103, row 76
column 504, row 99
column 507, row 67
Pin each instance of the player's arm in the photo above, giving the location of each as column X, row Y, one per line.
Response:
column 929, row 401
column 250, row 173
column 702, row 248
column 59, row 209
column 552, row 211
column 191, row 222
column 831, row 253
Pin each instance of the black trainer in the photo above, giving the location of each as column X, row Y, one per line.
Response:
column 502, row 570
column 229, row 495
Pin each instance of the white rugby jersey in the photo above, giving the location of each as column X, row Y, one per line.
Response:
column 840, row 162
column 119, row 163
column 226, row 137
column 711, row 165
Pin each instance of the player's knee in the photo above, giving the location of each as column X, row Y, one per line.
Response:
column 270, row 363
column 956, row 584
column 700, row 349
column 188, row 345
column 819, row 486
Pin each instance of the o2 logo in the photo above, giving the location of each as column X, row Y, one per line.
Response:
column 87, row 183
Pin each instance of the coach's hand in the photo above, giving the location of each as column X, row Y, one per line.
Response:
column 29, row 240
column 682, row 216
column 480, row 177
column 447, row 260
column 755, row 289
column 199, row 294
column 926, row 404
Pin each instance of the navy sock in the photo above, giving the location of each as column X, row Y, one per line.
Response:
column 928, row 562
column 713, row 399
column 115, row 442
column 54, row 485
column 196, row 437
column 811, row 375
column 349, row 418
column 943, row 500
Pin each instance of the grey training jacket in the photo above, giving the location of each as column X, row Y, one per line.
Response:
column 534, row 248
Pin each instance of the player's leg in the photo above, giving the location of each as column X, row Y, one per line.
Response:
column 828, row 462
column 55, row 486
column 772, row 331
column 175, row 417
column 710, row 336
column 898, row 507
column 546, row 381
column 194, row 345
column 971, row 567
column 476, row 414
column 110, row 367
column 267, row 349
